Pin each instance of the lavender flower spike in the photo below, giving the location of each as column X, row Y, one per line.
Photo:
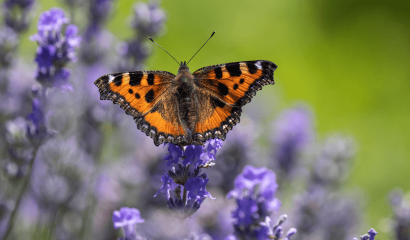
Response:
column 127, row 218
column 254, row 192
column 184, row 187
column 370, row 236
column 56, row 49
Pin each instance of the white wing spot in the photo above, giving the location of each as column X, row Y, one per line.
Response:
column 110, row 78
column 258, row 65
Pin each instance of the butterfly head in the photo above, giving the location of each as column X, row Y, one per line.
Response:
column 183, row 67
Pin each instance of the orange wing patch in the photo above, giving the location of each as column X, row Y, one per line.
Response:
column 141, row 90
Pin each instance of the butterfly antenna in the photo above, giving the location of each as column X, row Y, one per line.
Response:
column 152, row 40
column 201, row 47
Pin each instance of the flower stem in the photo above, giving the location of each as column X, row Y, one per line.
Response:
column 184, row 195
column 21, row 193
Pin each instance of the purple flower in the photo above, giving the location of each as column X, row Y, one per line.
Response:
column 332, row 165
column 148, row 21
column 292, row 131
column 8, row 44
column 254, row 192
column 127, row 218
column 210, row 149
column 371, row 235
column 55, row 49
column 184, row 187
column 401, row 214
column 263, row 230
column 37, row 127
column 259, row 183
column 175, row 153
column 16, row 14
column 193, row 154
column 52, row 20
column 196, row 187
column 99, row 10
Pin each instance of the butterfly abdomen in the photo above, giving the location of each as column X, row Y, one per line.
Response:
column 185, row 96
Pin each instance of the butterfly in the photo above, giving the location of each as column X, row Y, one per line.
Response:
column 186, row 109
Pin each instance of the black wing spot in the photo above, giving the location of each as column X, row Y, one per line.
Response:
column 235, row 86
column 218, row 72
column 104, row 79
column 117, row 81
column 130, row 91
column 150, row 79
column 149, row 97
column 241, row 81
column 234, row 69
column 137, row 96
column 217, row 103
column 223, row 89
column 135, row 79
column 252, row 67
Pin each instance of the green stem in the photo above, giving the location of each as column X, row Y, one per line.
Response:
column 90, row 210
column 20, row 195
column 184, row 195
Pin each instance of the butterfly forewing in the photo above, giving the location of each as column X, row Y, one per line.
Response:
column 224, row 89
column 148, row 97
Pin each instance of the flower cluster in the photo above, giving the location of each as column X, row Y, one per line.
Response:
column 255, row 195
column 56, row 48
column 16, row 14
column 94, row 49
column 292, row 132
column 184, row 186
column 370, row 236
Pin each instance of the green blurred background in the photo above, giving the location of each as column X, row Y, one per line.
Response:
column 348, row 60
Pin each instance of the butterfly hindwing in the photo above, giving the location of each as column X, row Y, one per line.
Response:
column 147, row 96
column 224, row 89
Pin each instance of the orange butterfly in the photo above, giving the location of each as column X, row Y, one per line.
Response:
column 187, row 108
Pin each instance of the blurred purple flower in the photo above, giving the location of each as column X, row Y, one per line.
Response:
column 51, row 22
column 9, row 40
column 37, row 128
column 254, row 192
column 292, row 131
column 127, row 219
column 18, row 148
column 55, row 49
column 16, row 14
column 332, row 165
column 97, row 40
column 400, row 203
column 259, row 183
column 148, row 21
